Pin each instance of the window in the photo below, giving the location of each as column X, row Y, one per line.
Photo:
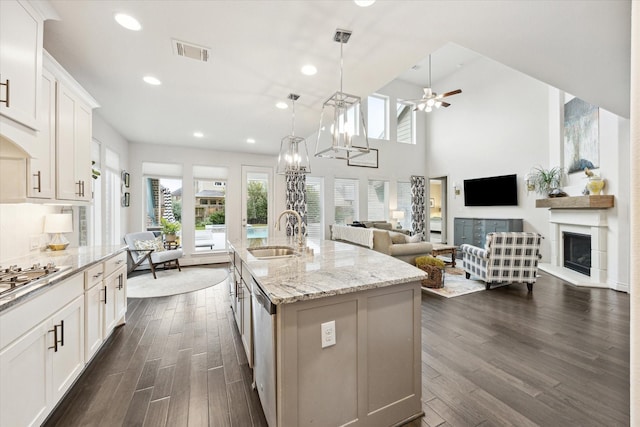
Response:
column 378, row 116
column 163, row 196
column 404, row 203
column 345, row 197
column 210, row 192
column 378, row 200
column 315, row 228
column 404, row 115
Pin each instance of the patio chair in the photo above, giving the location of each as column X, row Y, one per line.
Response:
column 147, row 251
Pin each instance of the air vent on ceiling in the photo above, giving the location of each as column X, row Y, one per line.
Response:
column 190, row 50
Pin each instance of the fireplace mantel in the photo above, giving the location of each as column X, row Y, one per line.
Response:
column 579, row 202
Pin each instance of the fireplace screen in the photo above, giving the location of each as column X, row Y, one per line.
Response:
column 577, row 252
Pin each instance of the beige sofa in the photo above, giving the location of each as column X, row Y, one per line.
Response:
column 384, row 241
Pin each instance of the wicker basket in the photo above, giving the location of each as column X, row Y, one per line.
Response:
column 435, row 276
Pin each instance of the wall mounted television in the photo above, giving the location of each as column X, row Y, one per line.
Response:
column 491, row 191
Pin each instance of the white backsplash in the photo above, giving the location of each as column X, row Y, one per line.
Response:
column 20, row 226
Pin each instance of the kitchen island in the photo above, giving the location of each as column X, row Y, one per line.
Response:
column 335, row 334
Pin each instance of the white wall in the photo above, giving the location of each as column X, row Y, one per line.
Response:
column 498, row 125
column 19, row 225
column 505, row 122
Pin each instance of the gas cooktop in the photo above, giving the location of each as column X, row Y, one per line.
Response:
column 14, row 278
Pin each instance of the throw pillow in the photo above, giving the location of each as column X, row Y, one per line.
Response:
column 414, row 239
column 155, row 244
column 397, row 238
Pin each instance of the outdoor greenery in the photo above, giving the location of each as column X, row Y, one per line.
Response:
column 256, row 203
column 217, row 217
column 177, row 209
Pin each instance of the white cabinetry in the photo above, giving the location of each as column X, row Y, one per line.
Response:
column 21, row 30
column 41, row 168
column 41, row 352
column 73, row 135
column 105, row 300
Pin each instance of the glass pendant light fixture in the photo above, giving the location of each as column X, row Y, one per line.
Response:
column 342, row 133
column 294, row 156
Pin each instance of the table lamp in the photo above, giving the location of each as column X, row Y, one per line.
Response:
column 398, row 215
column 57, row 224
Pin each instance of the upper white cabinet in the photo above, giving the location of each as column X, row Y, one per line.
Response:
column 41, row 170
column 73, row 121
column 21, row 30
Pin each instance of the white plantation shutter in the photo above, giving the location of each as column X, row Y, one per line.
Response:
column 315, row 219
column 345, row 197
column 404, row 203
column 378, row 200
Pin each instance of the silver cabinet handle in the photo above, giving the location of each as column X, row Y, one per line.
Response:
column 39, row 177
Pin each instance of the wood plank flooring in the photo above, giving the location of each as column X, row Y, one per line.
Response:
column 556, row 357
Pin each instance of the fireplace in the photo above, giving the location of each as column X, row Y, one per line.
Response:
column 577, row 252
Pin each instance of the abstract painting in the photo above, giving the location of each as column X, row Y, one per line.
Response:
column 581, row 142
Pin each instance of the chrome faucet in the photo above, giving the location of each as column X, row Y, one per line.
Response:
column 301, row 244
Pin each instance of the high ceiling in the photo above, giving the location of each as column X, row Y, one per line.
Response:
column 258, row 48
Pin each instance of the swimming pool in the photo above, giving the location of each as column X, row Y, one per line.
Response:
column 257, row 231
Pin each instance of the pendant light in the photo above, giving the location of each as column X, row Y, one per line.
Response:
column 294, row 156
column 342, row 133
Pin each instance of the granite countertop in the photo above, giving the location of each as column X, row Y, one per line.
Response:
column 334, row 268
column 71, row 261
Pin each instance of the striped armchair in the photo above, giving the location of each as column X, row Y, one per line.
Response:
column 508, row 257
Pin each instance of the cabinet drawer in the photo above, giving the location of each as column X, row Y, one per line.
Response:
column 93, row 276
column 16, row 321
column 112, row 264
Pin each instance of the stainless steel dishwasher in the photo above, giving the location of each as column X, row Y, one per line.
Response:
column 264, row 351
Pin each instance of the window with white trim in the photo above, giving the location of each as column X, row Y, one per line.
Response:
column 378, row 116
column 345, row 198
column 315, row 217
column 378, row 200
column 404, row 203
column 404, row 116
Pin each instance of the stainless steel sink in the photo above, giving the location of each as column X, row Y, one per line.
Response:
column 269, row 252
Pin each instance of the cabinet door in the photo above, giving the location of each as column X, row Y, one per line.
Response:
column 82, row 158
column 110, row 294
column 21, row 32
column 121, row 294
column 73, row 146
column 68, row 361
column 93, row 307
column 246, row 323
column 42, row 167
column 24, row 379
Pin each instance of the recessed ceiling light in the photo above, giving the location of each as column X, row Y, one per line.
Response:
column 152, row 80
column 309, row 70
column 127, row 21
column 251, row 141
column 364, row 3
column 198, row 134
column 282, row 105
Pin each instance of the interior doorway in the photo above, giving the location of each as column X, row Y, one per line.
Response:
column 438, row 209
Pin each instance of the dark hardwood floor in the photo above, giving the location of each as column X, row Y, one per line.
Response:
column 556, row 357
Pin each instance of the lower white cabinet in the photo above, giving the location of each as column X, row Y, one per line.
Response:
column 40, row 366
column 106, row 306
column 115, row 301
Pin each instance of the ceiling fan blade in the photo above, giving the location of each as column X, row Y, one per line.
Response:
column 453, row 92
column 445, row 104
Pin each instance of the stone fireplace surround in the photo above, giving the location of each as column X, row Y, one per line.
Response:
column 592, row 222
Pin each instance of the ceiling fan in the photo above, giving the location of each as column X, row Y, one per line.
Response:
column 430, row 99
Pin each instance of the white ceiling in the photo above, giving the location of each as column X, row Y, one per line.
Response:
column 258, row 48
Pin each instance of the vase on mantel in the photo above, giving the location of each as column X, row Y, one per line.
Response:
column 595, row 185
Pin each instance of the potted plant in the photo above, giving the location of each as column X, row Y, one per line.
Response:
column 548, row 181
column 170, row 229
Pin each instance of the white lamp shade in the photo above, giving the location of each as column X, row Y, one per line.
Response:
column 398, row 214
column 58, row 223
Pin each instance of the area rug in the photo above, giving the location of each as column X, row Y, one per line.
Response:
column 455, row 284
column 174, row 282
